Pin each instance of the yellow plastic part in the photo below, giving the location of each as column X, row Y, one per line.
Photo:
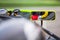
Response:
column 45, row 15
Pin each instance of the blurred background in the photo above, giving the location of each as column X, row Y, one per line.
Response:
column 28, row 3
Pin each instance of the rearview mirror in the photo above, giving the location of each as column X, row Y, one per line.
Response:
column 44, row 15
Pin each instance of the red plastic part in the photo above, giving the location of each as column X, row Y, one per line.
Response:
column 34, row 17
